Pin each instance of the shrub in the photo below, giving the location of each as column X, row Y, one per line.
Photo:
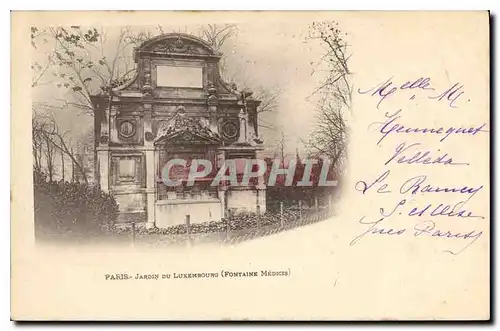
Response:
column 71, row 208
column 240, row 221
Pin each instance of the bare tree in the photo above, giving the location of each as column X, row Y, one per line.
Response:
column 43, row 149
column 37, row 142
column 62, row 167
column 334, row 61
column 330, row 135
column 216, row 36
column 138, row 37
column 49, row 152
column 279, row 151
column 59, row 142
column 46, row 133
column 269, row 104
column 335, row 95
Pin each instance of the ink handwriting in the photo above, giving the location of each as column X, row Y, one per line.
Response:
column 388, row 88
column 408, row 154
column 392, row 126
column 420, row 230
column 417, row 200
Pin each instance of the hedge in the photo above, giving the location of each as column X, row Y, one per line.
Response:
column 64, row 208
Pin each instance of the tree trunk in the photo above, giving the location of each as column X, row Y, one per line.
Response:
column 64, row 149
column 50, row 163
column 62, row 165
column 72, row 169
column 97, row 174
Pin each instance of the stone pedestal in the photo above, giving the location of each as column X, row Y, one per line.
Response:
column 173, row 212
column 242, row 200
column 222, row 199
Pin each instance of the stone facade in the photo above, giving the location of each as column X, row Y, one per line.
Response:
column 176, row 106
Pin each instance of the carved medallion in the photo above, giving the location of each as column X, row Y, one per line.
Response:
column 230, row 129
column 149, row 136
column 127, row 129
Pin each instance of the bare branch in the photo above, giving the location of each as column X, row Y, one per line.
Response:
column 330, row 134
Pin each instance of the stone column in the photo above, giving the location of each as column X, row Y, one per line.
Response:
column 213, row 119
column 150, row 188
column 243, row 116
column 105, row 127
column 222, row 188
column 212, row 103
column 113, row 131
column 103, row 161
column 150, row 166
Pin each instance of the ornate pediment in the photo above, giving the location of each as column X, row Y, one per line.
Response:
column 178, row 46
column 178, row 43
column 189, row 130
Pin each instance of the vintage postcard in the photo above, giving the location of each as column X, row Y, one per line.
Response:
column 250, row 166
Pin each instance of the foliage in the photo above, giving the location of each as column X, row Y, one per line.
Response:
column 64, row 208
column 82, row 61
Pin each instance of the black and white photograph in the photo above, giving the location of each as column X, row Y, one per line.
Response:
column 175, row 134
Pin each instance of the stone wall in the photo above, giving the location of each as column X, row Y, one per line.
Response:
column 169, row 212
